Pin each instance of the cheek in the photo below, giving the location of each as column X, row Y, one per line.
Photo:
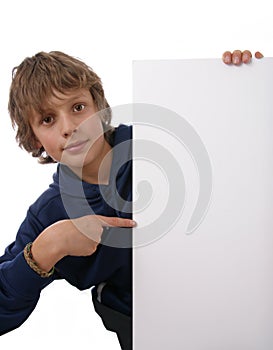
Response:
column 95, row 148
column 48, row 142
column 92, row 127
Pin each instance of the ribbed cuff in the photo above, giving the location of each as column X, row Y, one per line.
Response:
column 21, row 278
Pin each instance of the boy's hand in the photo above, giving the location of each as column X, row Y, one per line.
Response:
column 77, row 237
column 237, row 57
column 82, row 235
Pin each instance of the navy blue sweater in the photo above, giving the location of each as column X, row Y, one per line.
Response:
column 67, row 197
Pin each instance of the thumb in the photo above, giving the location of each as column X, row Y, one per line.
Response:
column 259, row 55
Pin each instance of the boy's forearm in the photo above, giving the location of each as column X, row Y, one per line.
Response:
column 48, row 248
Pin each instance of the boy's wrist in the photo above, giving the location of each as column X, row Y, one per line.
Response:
column 48, row 248
column 33, row 264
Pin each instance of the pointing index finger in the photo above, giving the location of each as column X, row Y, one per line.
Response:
column 116, row 222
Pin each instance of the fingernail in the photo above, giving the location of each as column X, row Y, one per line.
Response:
column 245, row 58
column 227, row 59
column 236, row 60
column 133, row 222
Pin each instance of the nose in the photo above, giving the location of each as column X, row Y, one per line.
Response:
column 68, row 127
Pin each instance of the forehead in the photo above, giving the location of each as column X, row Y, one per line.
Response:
column 58, row 99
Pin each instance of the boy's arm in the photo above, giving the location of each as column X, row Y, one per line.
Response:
column 20, row 286
column 77, row 237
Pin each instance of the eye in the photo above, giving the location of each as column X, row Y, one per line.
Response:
column 47, row 120
column 78, row 107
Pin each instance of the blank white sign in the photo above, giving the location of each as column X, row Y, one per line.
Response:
column 203, row 280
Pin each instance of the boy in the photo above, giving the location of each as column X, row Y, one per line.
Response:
column 54, row 103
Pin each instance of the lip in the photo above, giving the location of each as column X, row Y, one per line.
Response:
column 75, row 147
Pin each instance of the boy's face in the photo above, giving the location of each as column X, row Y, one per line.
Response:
column 68, row 129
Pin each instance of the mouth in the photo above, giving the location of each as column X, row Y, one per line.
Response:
column 75, row 147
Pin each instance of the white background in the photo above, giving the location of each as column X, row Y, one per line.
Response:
column 107, row 35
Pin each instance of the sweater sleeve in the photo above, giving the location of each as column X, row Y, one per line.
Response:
column 20, row 286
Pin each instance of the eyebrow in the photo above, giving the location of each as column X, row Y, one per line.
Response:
column 49, row 107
